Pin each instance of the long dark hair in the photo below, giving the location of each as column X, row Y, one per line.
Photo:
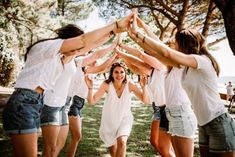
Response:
column 114, row 65
column 193, row 42
column 68, row 31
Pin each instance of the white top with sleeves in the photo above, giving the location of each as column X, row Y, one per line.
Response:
column 42, row 67
column 201, row 87
column 116, row 117
column 78, row 85
column 229, row 89
column 156, row 85
column 175, row 94
column 57, row 96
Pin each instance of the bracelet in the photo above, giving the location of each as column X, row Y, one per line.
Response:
column 111, row 33
column 143, row 39
column 89, row 88
column 136, row 35
column 116, row 24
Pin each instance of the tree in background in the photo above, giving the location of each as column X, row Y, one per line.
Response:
column 227, row 7
column 23, row 22
column 171, row 15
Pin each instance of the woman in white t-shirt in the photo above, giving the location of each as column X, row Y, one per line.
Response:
column 151, row 67
column 229, row 89
column 117, row 119
column 42, row 68
column 182, row 121
column 199, row 79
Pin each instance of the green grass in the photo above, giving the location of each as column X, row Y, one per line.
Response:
column 91, row 146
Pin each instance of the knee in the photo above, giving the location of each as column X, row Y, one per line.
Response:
column 76, row 137
column 112, row 151
column 154, row 143
column 121, row 143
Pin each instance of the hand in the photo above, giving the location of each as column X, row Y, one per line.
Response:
column 118, row 40
column 134, row 27
column 123, row 23
column 88, row 81
column 143, row 81
column 140, row 23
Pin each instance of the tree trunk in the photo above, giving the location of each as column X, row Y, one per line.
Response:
column 227, row 7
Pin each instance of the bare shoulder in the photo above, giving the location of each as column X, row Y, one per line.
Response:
column 104, row 86
column 131, row 85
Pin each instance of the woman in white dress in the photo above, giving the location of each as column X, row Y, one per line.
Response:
column 117, row 119
column 142, row 63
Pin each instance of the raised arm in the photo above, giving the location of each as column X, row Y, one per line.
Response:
column 103, row 67
column 150, row 60
column 93, row 98
column 161, row 49
column 141, row 94
column 146, row 28
column 135, row 64
column 88, row 41
column 97, row 54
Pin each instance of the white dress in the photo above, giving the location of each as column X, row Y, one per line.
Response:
column 116, row 117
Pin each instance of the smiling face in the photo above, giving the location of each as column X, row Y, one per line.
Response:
column 119, row 74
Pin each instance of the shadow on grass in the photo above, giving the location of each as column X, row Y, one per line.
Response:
column 91, row 146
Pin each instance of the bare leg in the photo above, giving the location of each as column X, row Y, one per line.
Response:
column 63, row 133
column 164, row 148
column 121, row 146
column 25, row 145
column 75, row 125
column 183, row 147
column 113, row 150
column 49, row 135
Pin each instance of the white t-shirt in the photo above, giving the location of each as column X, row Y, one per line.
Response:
column 56, row 97
column 175, row 94
column 201, row 87
column 156, row 86
column 42, row 67
column 78, row 85
column 230, row 90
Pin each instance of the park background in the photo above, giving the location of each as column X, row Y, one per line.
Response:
column 23, row 22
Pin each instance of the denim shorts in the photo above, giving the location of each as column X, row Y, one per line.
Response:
column 21, row 114
column 160, row 114
column 218, row 134
column 55, row 115
column 182, row 121
column 77, row 105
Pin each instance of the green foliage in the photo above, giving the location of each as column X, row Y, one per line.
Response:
column 8, row 67
column 165, row 13
column 24, row 22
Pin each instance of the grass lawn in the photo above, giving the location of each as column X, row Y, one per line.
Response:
column 91, row 146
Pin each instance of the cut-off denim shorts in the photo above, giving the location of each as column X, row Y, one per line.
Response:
column 218, row 134
column 182, row 121
column 77, row 105
column 22, row 112
column 55, row 115
column 160, row 114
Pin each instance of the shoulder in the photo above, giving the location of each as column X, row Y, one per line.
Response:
column 105, row 85
column 202, row 61
column 48, row 47
column 131, row 85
